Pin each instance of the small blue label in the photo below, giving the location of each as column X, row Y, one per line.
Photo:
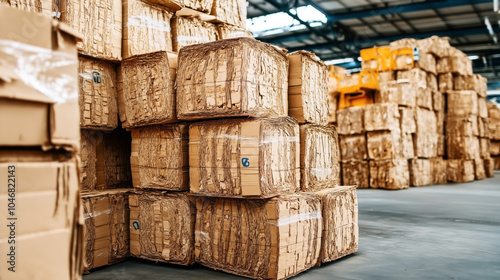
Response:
column 97, row 77
column 245, row 161
column 136, row 225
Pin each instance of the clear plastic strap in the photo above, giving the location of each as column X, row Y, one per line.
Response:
column 95, row 214
column 298, row 218
column 184, row 39
column 39, row 68
column 142, row 21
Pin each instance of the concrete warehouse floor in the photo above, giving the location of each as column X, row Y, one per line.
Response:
column 436, row 232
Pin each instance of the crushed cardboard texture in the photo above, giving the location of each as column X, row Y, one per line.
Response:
column 460, row 171
column 462, row 147
column 389, row 174
column 307, row 88
column 51, row 8
column 350, row 121
column 383, row 116
column 445, row 82
column 496, row 162
column 489, row 167
column 441, row 145
column 482, row 108
column 162, row 226
column 228, row 31
column 439, row 173
column 160, row 158
column 483, row 130
column 462, row 126
column 230, row 11
column 340, row 236
column 416, row 76
column 260, row 239
column 462, row 103
column 191, row 30
column 493, row 111
column 88, row 158
column 232, row 77
column 484, row 146
column 440, row 121
column 425, row 98
column 244, row 157
column 353, row 147
column 407, row 149
column 384, row 144
column 479, row 169
column 421, row 172
column 455, row 65
column 319, row 157
column 425, row 144
column 356, row 173
column 495, row 148
column 402, row 92
column 332, row 100
column 437, row 101
column 407, row 120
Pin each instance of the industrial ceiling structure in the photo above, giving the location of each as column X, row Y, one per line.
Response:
column 351, row 25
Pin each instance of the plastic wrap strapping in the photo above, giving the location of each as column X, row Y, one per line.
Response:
column 91, row 215
column 39, row 68
column 143, row 21
column 261, row 142
column 316, row 215
column 189, row 39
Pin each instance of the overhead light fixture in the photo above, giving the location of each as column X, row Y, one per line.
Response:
column 339, row 61
column 495, row 5
column 490, row 29
column 473, row 57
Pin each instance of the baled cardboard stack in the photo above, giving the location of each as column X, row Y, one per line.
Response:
column 493, row 146
column 336, row 73
column 38, row 159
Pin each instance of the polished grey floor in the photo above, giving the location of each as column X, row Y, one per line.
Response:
column 436, row 232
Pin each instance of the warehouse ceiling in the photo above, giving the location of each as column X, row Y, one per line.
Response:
column 336, row 30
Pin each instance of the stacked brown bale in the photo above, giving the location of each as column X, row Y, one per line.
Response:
column 493, row 128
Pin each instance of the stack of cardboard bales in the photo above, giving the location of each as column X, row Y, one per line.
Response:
column 494, row 133
column 39, row 144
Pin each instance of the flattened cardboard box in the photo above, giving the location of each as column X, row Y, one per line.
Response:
column 340, row 235
column 356, row 173
column 192, row 30
column 350, row 121
column 307, row 88
column 49, row 225
column 97, row 99
column 260, row 239
column 353, row 147
column 244, row 157
column 233, row 77
column 319, row 157
column 40, row 113
column 146, row 28
column 162, row 226
column 389, row 174
column 107, row 237
column 460, row 171
column 160, row 158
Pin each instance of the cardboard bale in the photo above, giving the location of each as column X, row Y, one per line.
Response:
column 481, row 85
column 97, row 94
column 51, row 8
column 230, row 11
column 416, row 76
column 462, row 147
column 167, row 168
column 244, row 157
column 437, row 101
column 386, row 76
column 438, row 46
column 482, row 110
column 425, row 98
column 88, row 157
column 493, row 130
column 233, row 77
column 483, row 130
column 421, row 172
column 350, row 121
column 440, row 121
column 48, row 230
column 40, row 112
column 407, row 148
column 100, row 24
column 191, row 30
column 426, row 137
column 495, row 148
column 407, row 120
column 319, row 157
column 438, row 166
column 162, row 226
column 441, row 145
column 484, row 146
column 262, row 239
column 445, row 82
column 384, row 144
column 402, row 92
column 340, row 236
column 333, row 96
column 493, row 111
column 107, row 236
column 356, row 173
column 307, row 88
column 146, row 28
column 381, row 117
column 145, row 91
column 389, row 174
column 479, row 169
column 462, row 126
column 174, row 5
column 455, row 65
column 353, row 147
column 497, row 162
column 460, row 171
column 462, row 103
column 461, row 82
column 432, row 82
column 489, row 167
column 228, row 31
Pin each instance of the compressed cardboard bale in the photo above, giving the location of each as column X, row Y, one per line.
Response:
column 230, row 11
column 353, row 147
column 438, row 166
column 432, row 82
column 333, row 96
column 384, row 144
column 145, row 93
column 340, row 236
column 97, row 98
column 455, row 65
column 462, row 147
column 407, row 120
column 46, row 222
column 319, row 157
column 479, row 170
column 438, row 46
column 495, row 148
column 440, row 121
column 107, row 236
column 493, row 130
column 497, row 162
column 482, row 110
column 493, row 111
column 113, row 159
column 350, row 121
column 356, row 173
column 407, row 149
column 381, row 117
column 191, row 30
column 421, row 172
column 441, row 145
column 489, row 167
column 228, row 31
column 461, row 82
column 483, row 130
column 244, row 157
column 462, row 126
column 437, row 101
column 99, row 23
column 307, row 88
column 425, row 98
column 386, row 76
column 481, row 85
column 160, row 158
column 403, row 92
column 162, row 226
column 50, row 8
column 462, row 103
column 260, row 239
column 445, row 82
column 199, row 5
column 146, row 28
column 233, row 77
column 389, row 174
column 88, row 157
column 484, row 146
column 460, row 171
column 416, row 76
column 425, row 144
